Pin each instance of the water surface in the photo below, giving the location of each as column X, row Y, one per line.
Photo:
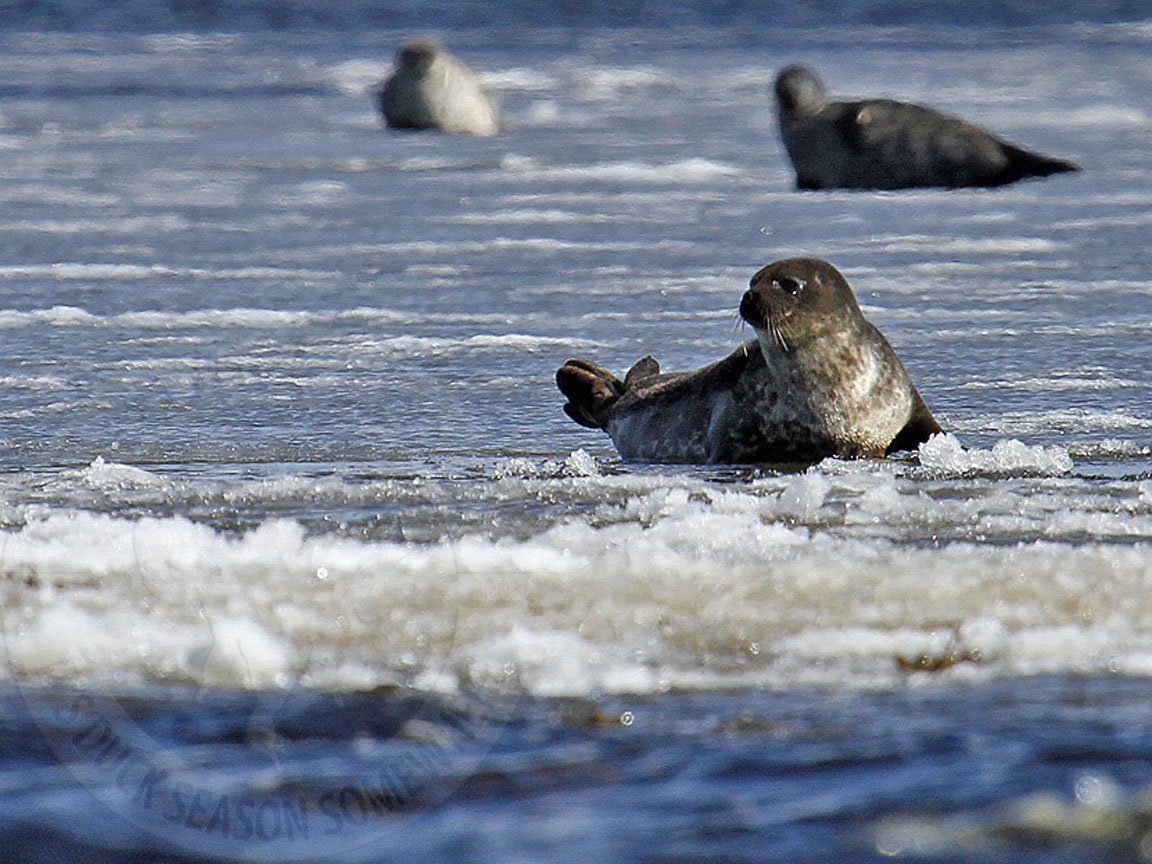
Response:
column 288, row 496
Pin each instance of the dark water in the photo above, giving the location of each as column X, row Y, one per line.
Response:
column 178, row 774
column 300, row 559
column 353, row 15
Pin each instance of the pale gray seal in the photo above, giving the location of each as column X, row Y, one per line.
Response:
column 818, row 381
column 432, row 89
column 883, row 144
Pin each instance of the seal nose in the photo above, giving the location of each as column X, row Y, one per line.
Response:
column 750, row 308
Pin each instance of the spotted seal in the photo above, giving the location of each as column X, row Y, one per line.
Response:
column 884, row 144
column 819, row 380
column 432, row 89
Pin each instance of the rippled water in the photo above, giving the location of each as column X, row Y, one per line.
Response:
column 288, row 496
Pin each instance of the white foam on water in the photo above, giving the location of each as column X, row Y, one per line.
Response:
column 1056, row 383
column 134, row 134
column 56, row 316
column 420, row 346
column 33, row 382
column 314, row 192
column 603, row 84
column 41, row 410
column 246, row 318
column 684, row 171
column 251, row 318
column 802, row 579
column 111, row 476
column 1109, row 447
column 432, row 163
column 182, row 43
column 1103, row 115
column 578, row 464
column 1097, row 222
column 240, row 652
column 56, row 194
column 132, row 225
column 551, row 663
column 447, row 270
column 982, row 245
column 444, row 248
column 945, row 453
column 1079, row 420
column 529, row 217
column 519, row 78
column 68, row 271
column 357, row 77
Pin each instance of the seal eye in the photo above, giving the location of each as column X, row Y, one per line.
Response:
column 790, row 285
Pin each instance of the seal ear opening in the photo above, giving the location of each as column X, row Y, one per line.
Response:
column 591, row 390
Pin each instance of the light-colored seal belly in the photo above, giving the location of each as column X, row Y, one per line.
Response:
column 818, row 381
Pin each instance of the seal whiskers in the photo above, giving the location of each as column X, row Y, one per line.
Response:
column 778, row 335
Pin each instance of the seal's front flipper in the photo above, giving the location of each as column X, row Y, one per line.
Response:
column 590, row 389
column 644, row 368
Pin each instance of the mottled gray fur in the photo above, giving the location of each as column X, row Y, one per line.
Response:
column 818, row 381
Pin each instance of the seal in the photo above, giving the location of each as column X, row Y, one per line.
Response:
column 884, row 144
column 432, row 89
column 819, row 380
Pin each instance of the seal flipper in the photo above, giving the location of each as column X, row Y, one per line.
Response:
column 590, row 389
column 599, row 371
column 1024, row 163
column 646, row 367
column 920, row 427
column 580, row 417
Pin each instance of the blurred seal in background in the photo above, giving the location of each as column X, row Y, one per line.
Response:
column 884, row 144
column 431, row 89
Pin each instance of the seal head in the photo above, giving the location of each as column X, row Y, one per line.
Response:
column 799, row 90
column 797, row 300
column 818, row 381
column 885, row 144
column 415, row 56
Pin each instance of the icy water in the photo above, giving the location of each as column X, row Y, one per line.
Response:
column 301, row 558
